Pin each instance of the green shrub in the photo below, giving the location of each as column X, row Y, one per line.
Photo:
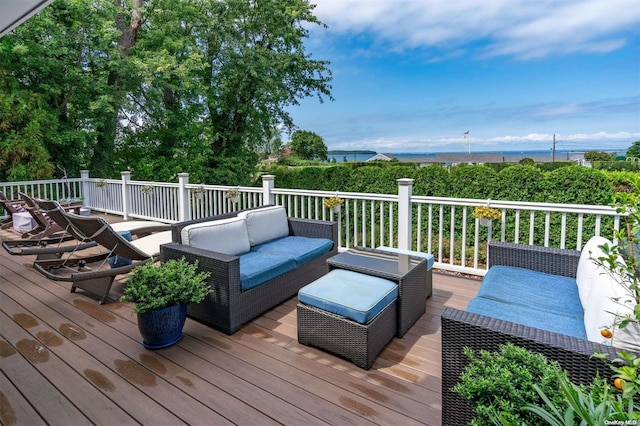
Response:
column 504, row 383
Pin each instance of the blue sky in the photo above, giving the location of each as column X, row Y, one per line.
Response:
column 414, row 75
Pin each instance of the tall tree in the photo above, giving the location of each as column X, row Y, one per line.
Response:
column 157, row 86
column 308, row 145
column 219, row 76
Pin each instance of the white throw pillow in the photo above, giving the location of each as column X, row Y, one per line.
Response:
column 227, row 236
column 587, row 267
column 600, row 311
column 266, row 224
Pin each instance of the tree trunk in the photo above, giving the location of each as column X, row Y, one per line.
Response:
column 103, row 153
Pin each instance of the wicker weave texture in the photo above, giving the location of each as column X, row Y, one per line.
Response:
column 549, row 260
column 359, row 343
column 229, row 307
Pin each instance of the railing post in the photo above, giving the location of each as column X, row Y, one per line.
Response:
column 126, row 200
column 267, row 188
column 405, row 189
column 84, row 176
column 184, row 201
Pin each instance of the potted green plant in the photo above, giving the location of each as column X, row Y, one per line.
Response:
column 161, row 293
column 334, row 203
column 233, row 195
column 486, row 214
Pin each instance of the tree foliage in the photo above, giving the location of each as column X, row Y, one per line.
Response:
column 155, row 86
column 598, row 156
column 308, row 145
column 634, row 150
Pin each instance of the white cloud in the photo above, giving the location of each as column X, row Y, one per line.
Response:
column 522, row 28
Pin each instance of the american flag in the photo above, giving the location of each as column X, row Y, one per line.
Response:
column 465, row 133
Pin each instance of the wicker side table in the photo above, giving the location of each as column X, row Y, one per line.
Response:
column 409, row 272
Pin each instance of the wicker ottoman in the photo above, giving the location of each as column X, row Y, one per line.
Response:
column 348, row 314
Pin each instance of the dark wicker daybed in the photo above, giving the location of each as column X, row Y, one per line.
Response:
column 462, row 329
column 229, row 307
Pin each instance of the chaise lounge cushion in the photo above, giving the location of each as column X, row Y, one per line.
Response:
column 257, row 268
column 265, row 224
column 302, row 249
column 355, row 296
column 227, row 236
column 521, row 286
column 528, row 316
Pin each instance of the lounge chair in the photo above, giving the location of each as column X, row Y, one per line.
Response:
column 10, row 207
column 93, row 272
column 53, row 247
column 45, row 226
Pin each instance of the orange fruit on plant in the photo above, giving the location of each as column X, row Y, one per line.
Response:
column 618, row 383
column 606, row 333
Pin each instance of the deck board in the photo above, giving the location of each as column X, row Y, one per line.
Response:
column 96, row 371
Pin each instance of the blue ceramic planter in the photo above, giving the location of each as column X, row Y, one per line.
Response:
column 162, row 327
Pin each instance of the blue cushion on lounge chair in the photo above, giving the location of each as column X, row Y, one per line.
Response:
column 302, row 249
column 117, row 261
column 518, row 286
column 355, row 296
column 257, row 268
column 530, row 317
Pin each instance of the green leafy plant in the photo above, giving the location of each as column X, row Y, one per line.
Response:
column 174, row 282
column 597, row 404
column 500, row 384
column 625, row 272
column 232, row 194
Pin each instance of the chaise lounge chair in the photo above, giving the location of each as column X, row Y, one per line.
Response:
column 45, row 226
column 10, row 207
column 93, row 272
column 53, row 247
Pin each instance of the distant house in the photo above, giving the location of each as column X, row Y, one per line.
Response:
column 382, row 157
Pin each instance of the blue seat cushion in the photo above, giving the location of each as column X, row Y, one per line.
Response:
column 302, row 249
column 544, row 292
column 257, row 268
column 355, row 296
column 119, row 261
column 535, row 318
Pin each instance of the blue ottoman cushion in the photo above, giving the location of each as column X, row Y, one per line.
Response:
column 302, row 249
column 524, row 287
column 355, row 296
column 257, row 268
column 524, row 315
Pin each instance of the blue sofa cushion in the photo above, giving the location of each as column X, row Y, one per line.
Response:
column 302, row 249
column 525, row 315
column 257, row 268
column 355, row 296
column 523, row 287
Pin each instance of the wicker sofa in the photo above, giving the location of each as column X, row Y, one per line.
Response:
column 462, row 329
column 237, row 297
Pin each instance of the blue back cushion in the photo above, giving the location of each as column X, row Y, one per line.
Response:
column 118, row 261
column 355, row 296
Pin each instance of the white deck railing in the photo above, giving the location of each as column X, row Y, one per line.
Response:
column 444, row 227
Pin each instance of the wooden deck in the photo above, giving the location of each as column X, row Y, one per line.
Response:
column 67, row 360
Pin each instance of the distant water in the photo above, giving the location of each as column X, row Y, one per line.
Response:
column 560, row 154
